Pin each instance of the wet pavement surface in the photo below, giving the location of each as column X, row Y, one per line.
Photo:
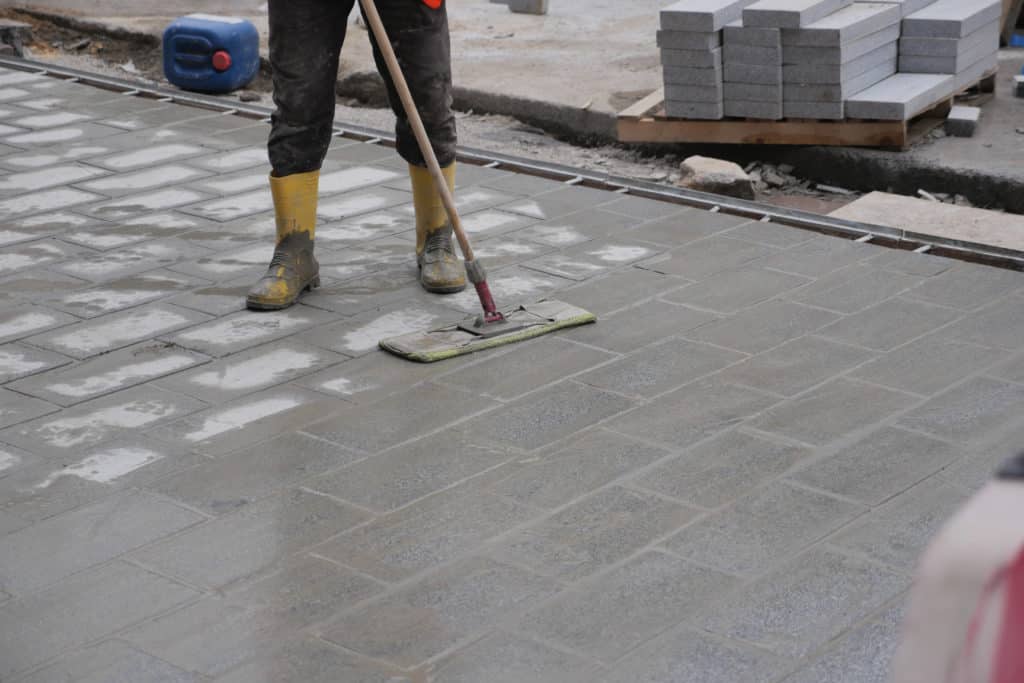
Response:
column 728, row 478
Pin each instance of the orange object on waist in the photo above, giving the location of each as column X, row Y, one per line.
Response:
column 433, row 4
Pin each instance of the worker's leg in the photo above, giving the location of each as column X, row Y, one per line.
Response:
column 418, row 30
column 305, row 40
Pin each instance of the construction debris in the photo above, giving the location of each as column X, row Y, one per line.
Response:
column 963, row 121
column 716, row 175
column 15, row 34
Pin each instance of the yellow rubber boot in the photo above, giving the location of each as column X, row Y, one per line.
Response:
column 441, row 271
column 294, row 269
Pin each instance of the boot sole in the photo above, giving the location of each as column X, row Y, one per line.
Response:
column 450, row 289
column 257, row 305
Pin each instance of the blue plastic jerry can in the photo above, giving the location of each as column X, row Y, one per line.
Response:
column 212, row 54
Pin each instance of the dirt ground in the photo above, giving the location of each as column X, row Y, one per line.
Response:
column 137, row 58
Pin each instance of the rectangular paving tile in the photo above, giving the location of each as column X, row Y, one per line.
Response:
column 27, row 320
column 111, row 660
column 608, row 616
column 890, row 324
column 243, row 330
column 855, row 288
column 764, row 327
column 504, row 658
column 19, row 183
column 54, row 549
column 731, row 291
column 118, row 295
column 250, row 371
column 771, row 234
column 684, row 227
column 16, row 408
column 971, row 411
column 147, row 202
column 20, row 360
column 821, row 256
column 549, row 415
column 149, row 156
column 82, row 609
column 619, row 289
column 371, row 377
column 880, row 466
column 804, row 604
column 641, row 325
column 968, row 286
column 796, row 366
column 759, row 532
column 593, row 533
column 34, row 254
column 438, row 613
column 311, row 660
column 373, row 427
column 693, row 413
column 704, row 258
column 929, row 365
column 592, row 460
column 99, row 420
column 235, row 480
column 250, row 540
column 117, row 330
column 912, row 263
column 427, row 534
column 723, row 469
column 407, row 473
column 686, row 654
column 109, row 373
column 121, row 263
column 360, row 335
column 1000, row 325
column 833, row 410
column 660, row 368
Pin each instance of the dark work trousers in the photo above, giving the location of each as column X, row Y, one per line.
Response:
column 305, row 41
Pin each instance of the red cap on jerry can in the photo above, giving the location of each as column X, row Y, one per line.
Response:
column 221, row 60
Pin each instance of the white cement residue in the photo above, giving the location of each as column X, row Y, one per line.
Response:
column 528, row 208
column 237, row 417
column 44, row 104
column 14, row 77
column 104, row 468
column 60, row 218
column 148, row 202
column 118, row 378
column 246, row 327
column 11, row 94
column 44, row 201
column 19, row 363
column 269, row 368
column 47, row 136
column 163, row 220
column 165, row 175
column 505, row 249
column 40, row 160
column 62, row 118
column 388, row 325
column 36, row 180
column 239, row 159
column 110, row 300
column 13, row 237
column 151, row 155
column 558, row 235
column 346, row 387
column 88, row 428
column 98, row 336
column 240, row 184
column 235, row 207
column 351, row 206
column 487, row 220
column 8, row 460
column 619, row 254
column 23, row 324
column 353, row 178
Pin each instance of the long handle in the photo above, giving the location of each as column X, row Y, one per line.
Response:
column 413, row 114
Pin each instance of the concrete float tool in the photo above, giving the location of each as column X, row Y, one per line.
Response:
column 493, row 328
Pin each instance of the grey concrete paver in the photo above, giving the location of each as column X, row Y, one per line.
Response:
column 575, row 506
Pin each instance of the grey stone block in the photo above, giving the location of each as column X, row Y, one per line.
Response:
column 963, row 121
column 429, row 533
column 969, row 412
column 949, row 65
column 951, row 19
column 738, row 34
column 693, row 413
column 763, row 327
column 701, row 15
column 749, row 92
column 591, row 534
column 796, row 366
column 805, row 604
column 890, row 324
column 749, row 54
column 689, row 40
column 880, row 466
column 972, row 74
column 1018, row 86
column 82, row 609
column 693, row 76
column 757, row 533
column 591, row 461
column 899, row 97
column 425, row 619
column 790, row 13
column 607, row 617
column 111, row 660
column 734, row 290
column 838, row 92
column 908, row 7
column 686, row 654
column 723, row 469
column 503, row 658
column 849, row 24
column 528, row 6
column 753, row 109
column 838, row 73
column 842, row 53
column 693, row 59
column 832, row 411
column 635, row 327
column 950, row 47
column 710, row 95
column 256, row 538
column 753, row 73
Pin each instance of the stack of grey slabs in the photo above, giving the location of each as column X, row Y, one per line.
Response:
column 900, row 97
column 790, row 13
column 753, row 72
column 958, row 37
column 691, row 55
column 836, row 57
column 908, row 7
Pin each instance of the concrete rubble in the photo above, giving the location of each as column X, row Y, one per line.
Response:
column 717, row 176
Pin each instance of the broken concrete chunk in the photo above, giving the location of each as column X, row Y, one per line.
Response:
column 717, row 176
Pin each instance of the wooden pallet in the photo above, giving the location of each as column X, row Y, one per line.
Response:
column 646, row 122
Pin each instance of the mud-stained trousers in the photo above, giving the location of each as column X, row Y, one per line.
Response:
column 306, row 37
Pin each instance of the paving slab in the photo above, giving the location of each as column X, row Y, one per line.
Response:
column 790, row 14
column 701, row 15
column 899, row 97
column 951, row 19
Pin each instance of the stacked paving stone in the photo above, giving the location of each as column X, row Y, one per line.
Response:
column 958, row 37
column 753, row 71
column 691, row 55
column 838, row 56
